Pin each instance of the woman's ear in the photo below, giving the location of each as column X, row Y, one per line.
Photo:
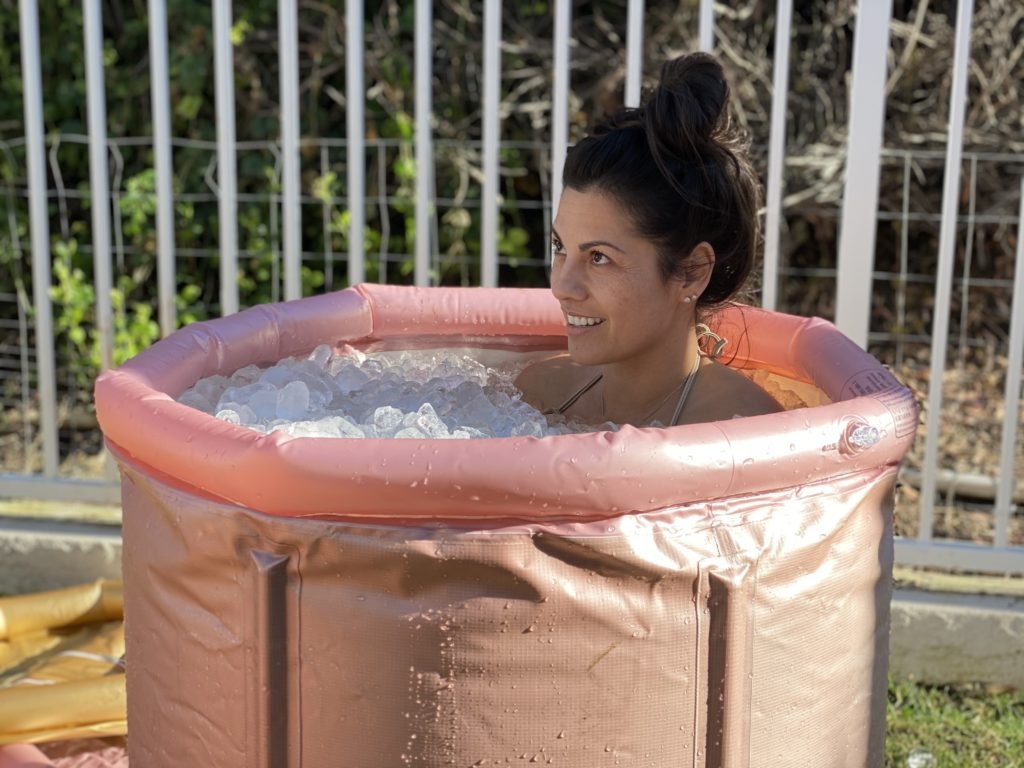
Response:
column 699, row 266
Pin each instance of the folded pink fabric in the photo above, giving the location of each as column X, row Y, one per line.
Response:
column 94, row 756
column 23, row 756
column 111, row 757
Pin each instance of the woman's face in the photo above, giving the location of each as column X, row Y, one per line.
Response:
column 617, row 306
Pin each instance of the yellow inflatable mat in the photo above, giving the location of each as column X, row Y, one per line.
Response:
column 61, row 665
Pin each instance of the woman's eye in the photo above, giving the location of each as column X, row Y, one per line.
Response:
column 556, row 247
column 596, row 257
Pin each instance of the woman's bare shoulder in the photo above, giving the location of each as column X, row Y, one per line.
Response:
column 723, row 393
column 546, row 383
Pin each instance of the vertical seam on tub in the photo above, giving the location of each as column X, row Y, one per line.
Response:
column 275, row 322
column 732, row 457
column 729, row 593
column 371, row 307
column 271, row 618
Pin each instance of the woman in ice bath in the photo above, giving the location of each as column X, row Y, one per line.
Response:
column 657, row 226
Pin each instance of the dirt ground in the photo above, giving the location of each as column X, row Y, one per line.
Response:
column 970, row 435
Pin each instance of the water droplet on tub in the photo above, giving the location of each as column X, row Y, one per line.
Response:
column 748, row 462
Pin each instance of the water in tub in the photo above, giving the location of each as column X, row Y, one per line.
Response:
column 444, row 394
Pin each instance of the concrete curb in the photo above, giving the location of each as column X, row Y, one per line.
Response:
column 37, row 555
column 936, row 637
column 940, row 637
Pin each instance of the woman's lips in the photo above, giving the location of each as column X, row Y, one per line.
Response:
column 576, row 325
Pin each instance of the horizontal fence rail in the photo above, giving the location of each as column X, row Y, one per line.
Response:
column 355, row 236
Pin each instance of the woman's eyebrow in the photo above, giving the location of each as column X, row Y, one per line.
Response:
column 590, row 243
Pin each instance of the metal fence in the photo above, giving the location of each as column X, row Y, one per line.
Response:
column 29, row 368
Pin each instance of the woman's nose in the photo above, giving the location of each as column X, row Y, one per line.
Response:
column 567, row 280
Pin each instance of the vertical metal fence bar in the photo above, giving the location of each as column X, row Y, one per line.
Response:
column 227, row 184
column 634, row 52
column 39, row 214
column 160, row 101
column 947, row 254
column 492, row 137
column 288, row 65
column 326, row 215
column 99, row 179
column 776, row 154
column 863, row 161
column 115, row 199
column 901, row 286
column 424, row 140
column 356, row 145
column 707, row 25
column 559, row 102
column 274, row 218
column 1011, row 393
column 382, row 214
column 965, row 285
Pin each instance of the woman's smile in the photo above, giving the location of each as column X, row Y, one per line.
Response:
column 578, row 323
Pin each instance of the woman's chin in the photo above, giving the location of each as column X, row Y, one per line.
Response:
column 585, row 354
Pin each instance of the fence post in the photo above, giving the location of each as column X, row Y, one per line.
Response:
column 160, row 101
column 288, row 65
column 227, row 183
column 863, row 153
column 39, row 214
column 947, row 254
column 99, row 180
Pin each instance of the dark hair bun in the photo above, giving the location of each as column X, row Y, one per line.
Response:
column 682, row 115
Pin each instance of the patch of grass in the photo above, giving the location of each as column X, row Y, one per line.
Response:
column 960, row 726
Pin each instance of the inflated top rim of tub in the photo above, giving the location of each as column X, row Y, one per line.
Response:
column 590, row 475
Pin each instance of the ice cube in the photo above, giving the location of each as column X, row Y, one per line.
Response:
column 247, row 375
column 527, row 429
column 347, row 428
column 429, row 422
column 212, row 387
column 349, row 378
column 293, row 401
column 229, row 415
column 387, row 419
column 478, row 412
column 194, row 399
column 277, row 376
column 321, row 356
column 263, row 402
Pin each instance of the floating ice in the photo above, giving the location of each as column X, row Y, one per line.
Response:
column 439, row 394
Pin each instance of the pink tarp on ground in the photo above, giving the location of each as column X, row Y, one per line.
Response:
column 74, row 755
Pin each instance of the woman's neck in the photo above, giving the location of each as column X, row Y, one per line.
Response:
column 634, row 391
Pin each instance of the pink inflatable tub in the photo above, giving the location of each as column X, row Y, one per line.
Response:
column 707, row 595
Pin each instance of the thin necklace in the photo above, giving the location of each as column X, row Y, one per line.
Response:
column 686, row 384
column 690, row 378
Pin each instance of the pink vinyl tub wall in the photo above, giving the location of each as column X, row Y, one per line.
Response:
column 706, row 595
